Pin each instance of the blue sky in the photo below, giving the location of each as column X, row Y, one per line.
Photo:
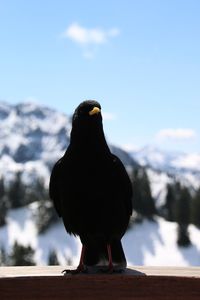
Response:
column 139, row 59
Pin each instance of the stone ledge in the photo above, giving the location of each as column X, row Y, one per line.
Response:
column 136, row 283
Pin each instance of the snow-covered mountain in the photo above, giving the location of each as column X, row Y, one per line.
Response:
column 33, row 138
column 165, row 167
column 172, row 162
column 29, row 132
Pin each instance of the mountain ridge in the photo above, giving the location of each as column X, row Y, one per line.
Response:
column 34, row 137
column 167, row 160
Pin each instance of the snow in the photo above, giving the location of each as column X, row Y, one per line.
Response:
column 154, row 244
column 165, row 167
column 189, row 161
column 172, row 162
column 158, row 182
column 30, row 170
column 32, row 139
column 154, row 157
column 21, row 228
column 11, row 167
column 147, row 243
column 56, row 238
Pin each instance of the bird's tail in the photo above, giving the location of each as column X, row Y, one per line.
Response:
column 96, row 254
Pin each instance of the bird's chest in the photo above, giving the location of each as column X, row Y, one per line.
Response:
column 89, row 179
column 89, row 184
column 90, row 196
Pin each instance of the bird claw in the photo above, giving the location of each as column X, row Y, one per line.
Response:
column 78, row 270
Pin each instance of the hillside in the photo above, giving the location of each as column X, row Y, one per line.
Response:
column 148, row 243
column 165, row 167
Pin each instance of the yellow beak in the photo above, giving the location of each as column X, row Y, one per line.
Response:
column 94, row 111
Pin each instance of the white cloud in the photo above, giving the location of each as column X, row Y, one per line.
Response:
column 86, row 36
column 176, row 134
column 89, row 39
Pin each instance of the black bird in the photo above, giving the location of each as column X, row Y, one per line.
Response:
column 92, row 192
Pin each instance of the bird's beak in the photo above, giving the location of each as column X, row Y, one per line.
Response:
column 94, row 111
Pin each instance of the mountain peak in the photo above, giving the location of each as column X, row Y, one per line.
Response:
column 30, row 132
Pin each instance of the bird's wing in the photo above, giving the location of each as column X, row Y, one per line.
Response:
column 124, row 182
column 53, row 186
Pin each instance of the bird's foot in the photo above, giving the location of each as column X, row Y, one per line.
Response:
column 78, row 270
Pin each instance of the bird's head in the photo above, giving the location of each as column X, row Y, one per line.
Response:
column 87, row 122
column 87, row 111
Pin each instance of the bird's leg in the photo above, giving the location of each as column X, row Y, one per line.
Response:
column 110, row 262
column 110, row 268
column 81, row 267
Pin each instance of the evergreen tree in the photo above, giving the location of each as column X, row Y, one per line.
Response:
column 36, row 192
column 170, row 203
column 149, row 208
column 3, row 203
column 53, row 259
column 16, row 192
column 45, row 215
column 183, row 204
column 143, row 201
column 183, row 236
column 172, row 197
column 21, row 256
column 3, row 257
column 137, row 202
column 195, row 215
